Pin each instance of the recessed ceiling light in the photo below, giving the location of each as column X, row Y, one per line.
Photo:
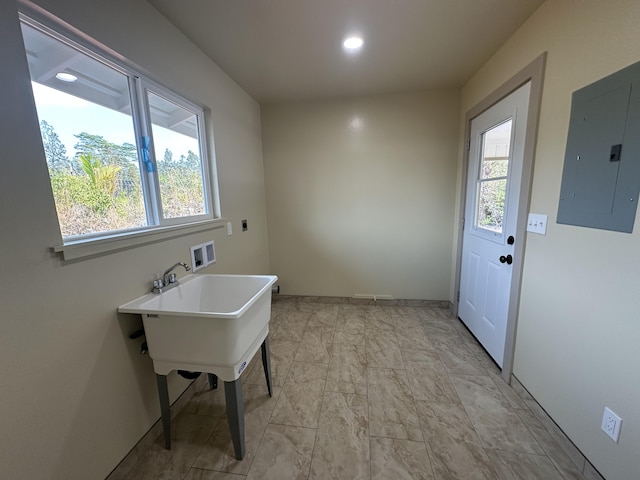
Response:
column 353, row 43
column 66, row 77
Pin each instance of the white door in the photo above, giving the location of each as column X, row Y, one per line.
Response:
column 496, row 152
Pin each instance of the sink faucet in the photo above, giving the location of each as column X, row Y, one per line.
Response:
column 168, row 279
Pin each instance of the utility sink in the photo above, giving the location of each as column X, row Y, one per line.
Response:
column 208, row 323
column 213, row 324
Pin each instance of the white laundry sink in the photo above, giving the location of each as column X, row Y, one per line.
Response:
column 208, row 323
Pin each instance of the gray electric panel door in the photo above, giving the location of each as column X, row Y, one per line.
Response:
column 601, row 176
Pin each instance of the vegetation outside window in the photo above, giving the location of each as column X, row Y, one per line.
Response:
column 124, row 154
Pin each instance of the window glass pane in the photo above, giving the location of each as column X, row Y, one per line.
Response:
column 177, row 151
column 496, row 145
column 492, row 177
column 84, row 108
column 491, row 204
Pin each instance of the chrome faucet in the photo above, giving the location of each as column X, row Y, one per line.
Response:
column 168, row 279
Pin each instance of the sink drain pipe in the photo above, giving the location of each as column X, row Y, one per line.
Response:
column 275, row 289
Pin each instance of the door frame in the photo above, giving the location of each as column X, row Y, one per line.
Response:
column 534, row 73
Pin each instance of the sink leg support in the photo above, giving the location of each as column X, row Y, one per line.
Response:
column 213, row 381
column 235, row 415
column 163, row 393
column 266, row 363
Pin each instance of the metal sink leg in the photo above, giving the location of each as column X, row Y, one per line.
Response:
column 235, row 415
column 163, row 394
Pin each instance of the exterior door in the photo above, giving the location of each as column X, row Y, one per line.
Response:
column 496, row 151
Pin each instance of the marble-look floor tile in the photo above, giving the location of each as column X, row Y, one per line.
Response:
column 347, row 369
column 218, row 453
column 284, row 452
column 315, row 346
column 342, row 444
column 455, row 355
column 199, row 474
column 399, row 460
column 555, row 453
column 383, row 350
column 413, row 338
column 516, row 466
column 520, row 390
column 304, row 307
column 454, row 448
column 427, row 377
column 399, row 362
column 326, row 316
column 351, row 311
column 469, row 340
column 435, row 314
column 439, row 327
column 509, row 393
column 557, row 434
column 189, row 435
column 590, row 473
column 207, row 402
column 391, row 409
column 350, row 329
column 497, row 424
column 301, row 397
column 405, row 317
column 282, row 354
column 290, row 328
column 378, row 318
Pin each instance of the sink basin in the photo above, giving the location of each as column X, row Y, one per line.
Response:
column 208, row 323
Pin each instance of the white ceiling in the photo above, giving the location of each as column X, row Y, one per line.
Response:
column 281, row 50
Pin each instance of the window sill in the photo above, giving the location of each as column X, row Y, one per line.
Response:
column 89, row 247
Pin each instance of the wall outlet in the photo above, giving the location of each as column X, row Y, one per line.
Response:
column 611, row 424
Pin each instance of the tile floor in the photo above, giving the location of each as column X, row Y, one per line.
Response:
column 366, row 392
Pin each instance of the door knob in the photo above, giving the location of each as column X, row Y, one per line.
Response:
column 508, row 259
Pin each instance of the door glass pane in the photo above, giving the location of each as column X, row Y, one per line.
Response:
column 177, row 151
column 84, row 109
column 492, row 177
column 491, row 205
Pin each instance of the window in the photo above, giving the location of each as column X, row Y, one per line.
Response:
column 492, row 177
column 125, row 155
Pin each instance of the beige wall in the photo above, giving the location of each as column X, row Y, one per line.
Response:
column 76, row 395
column 578, row 338
column 360, row 194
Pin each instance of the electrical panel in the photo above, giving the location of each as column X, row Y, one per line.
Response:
column 601, row 175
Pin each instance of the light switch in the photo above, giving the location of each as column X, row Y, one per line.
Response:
column 537, row 223
column 229, row 229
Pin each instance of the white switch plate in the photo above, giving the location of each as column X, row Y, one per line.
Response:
column 229, row 229
column 537, row 223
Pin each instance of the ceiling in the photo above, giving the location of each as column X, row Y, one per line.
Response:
column 286, row 50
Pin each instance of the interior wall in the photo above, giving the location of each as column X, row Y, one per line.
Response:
column 579, row 317
column 76, row 394
column 360, row 194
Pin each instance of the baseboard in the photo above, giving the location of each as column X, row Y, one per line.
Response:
column 577, row 457
column 397, row 302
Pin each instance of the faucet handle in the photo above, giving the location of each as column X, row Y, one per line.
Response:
column 157, row 283
column 172, row 278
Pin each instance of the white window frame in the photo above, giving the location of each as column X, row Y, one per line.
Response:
column 157, row 227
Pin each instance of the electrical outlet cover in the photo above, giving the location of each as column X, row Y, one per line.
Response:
column 611, row 424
